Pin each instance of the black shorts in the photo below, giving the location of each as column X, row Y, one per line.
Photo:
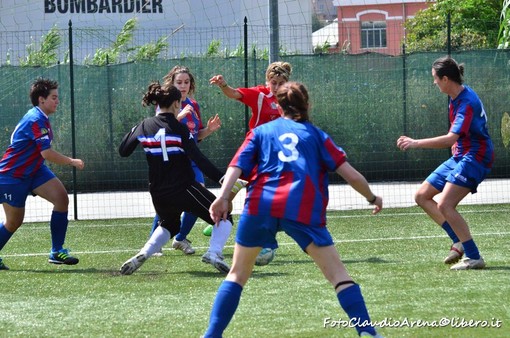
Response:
column 195, row 199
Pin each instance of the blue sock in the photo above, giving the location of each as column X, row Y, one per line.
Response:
column 155, row 224
column 224, row 307
column 5, row 235
column 187, row 222
column 58, row 229
column 353, row 304
column 471, row 250
column 446, row 226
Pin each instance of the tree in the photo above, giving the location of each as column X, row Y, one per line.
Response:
column 504, row 26
column 474, row 24
column 46, row 54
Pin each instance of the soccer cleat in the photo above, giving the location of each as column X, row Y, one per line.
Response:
column 455, row 254
column 3, row 266
column 132, row 264
column 265, row 256
column 184, row 246
column 468, row 264
column 62, row 257
column 366, row 334
column 216, row 260
column 208, row 230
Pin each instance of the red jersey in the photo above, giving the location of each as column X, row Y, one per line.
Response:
column 262, row 103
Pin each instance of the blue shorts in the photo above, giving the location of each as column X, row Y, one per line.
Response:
column 464, row 172
column 261, row 231
column 15, row 194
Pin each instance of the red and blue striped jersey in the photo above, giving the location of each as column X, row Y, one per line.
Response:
column 23, row 157
column 469, row 120
column 293, row 160
column 192, row 121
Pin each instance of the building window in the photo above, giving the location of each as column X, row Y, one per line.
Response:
column 373, row 34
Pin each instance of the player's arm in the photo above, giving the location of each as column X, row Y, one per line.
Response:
column 194, row 153
column 213, row 124
column 129, row 142
column 220, row 207
column 359, row 183
column 225, row 88
column 443, row 141
column 58, row 158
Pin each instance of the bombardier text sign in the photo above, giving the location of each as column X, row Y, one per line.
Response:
column 103, row 6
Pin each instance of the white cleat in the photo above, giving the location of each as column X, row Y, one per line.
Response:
column 132, row 264
column 216, row 260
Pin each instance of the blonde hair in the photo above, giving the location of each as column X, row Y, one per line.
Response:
column 278, row 68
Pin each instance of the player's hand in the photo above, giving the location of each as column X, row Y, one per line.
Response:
column 405, row 142
column 185, row 111
column 378, row 205
column 214, row 123
column 219, row 209
column 454, row 149
column 77, row 163
column 217, row 80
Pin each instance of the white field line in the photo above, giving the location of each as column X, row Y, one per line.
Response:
column 368, row 240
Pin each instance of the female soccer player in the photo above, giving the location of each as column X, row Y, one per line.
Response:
column 262, row 102
column 183, row 79
column 169, row 146
column 289, row 193
column 22, row 171
column 471, row 162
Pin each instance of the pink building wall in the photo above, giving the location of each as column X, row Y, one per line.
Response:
column 352, row 12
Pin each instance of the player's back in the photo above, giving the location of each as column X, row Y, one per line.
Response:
column 293, row 161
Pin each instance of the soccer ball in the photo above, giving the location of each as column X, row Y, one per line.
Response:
column 266, row 256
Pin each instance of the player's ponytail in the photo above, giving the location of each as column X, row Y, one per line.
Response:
column 162, row 96
column 293, row 99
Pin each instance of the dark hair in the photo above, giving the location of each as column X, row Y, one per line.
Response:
column 447, row 66
column 169, row 78
column 41, row 87
column 162, row 96
column 293, row 99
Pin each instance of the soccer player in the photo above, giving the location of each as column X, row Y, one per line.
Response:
column 183, row 79
column 23, row 172
column 290, row 193
column 169, row 146
column 262, row 102
column 471, row 162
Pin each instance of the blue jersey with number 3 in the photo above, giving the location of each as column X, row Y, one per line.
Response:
column 293, row 160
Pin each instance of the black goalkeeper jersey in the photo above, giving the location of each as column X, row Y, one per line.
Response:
column 169, row 147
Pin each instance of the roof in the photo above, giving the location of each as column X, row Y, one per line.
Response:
column 327, row 33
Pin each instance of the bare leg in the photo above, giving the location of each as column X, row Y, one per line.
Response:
column 424, row 197
column 447, row 206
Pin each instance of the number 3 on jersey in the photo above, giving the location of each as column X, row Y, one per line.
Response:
column 289, row 142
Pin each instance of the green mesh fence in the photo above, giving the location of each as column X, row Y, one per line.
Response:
column 364, row 102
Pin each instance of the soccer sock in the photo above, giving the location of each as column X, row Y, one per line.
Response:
column 446, row 226
column 58, row 229
column 353, row 304
column 470, row 249
column 187, row 222
column 158, row 239
column 5, row 235
column 223, row 309
column 154, row 224
column 220, row 236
